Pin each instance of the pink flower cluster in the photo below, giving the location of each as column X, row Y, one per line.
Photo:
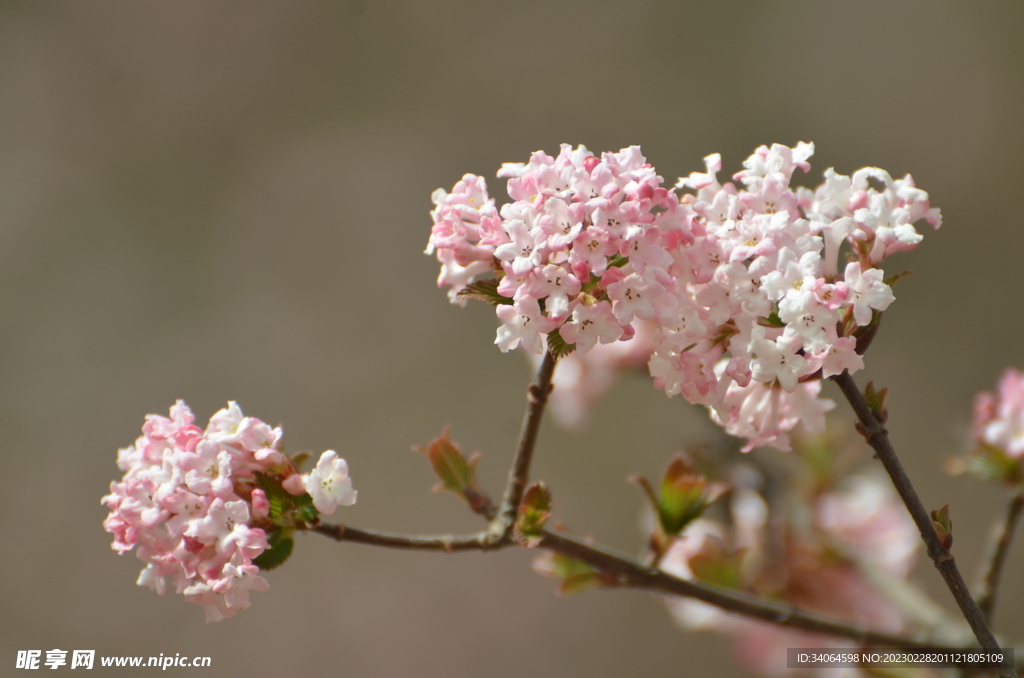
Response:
column 190, row 502
column 742, row 285
column 999, row 417
column 859, row 536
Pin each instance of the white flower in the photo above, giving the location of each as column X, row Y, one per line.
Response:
column 329, row 484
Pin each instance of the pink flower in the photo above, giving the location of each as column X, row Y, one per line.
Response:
column 590, row 324
column 226, row 526
column 524, row 324
column 868, row 519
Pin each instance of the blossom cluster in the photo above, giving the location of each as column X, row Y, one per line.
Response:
column 999, row 417
column 192, row 503
column 859, row 536
column 743, row 286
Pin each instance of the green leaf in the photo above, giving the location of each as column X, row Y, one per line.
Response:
column 534, row 512
column 286, row 509
column 716, row 566
column 575, row 575
column 943, row 525
column 992, row 463
column 590, row 285
column 456, row 473
column 281, row 545
column 578, row 583
column 300, row 459
column 773, row 319
column 876, row 400
column 305, row 512
column 684, row 495
column 485, row 290
column 896, row 277
column 448, row 463
column 557, row 345
column 618, row 261
column 278, row 497
column 537, row 497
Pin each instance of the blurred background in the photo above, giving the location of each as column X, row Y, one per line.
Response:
column 229, row 201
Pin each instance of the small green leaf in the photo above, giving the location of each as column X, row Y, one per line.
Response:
column 684, row 495
column 993, row 463
column 896, row 277
column 301, row 458
column 286, row 509
column 714, row 565
column 534, row 512
column 876, row 400
column 590, row 285
column 305, row 512
column 578, row 583
column 773, row 319
column 281, row 545
column 943, row 526
column 456, row 473
column 486, row 291
column 575, row 575
column 448, row 463
column 617, row 261
column 557, row 346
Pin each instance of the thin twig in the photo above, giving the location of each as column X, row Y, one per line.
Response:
column 1001, row 539
column 481, row 541
column 877, row 436
column 519, row 474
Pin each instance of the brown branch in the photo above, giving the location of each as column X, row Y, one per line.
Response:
column 631, row 574
column 481, row 541
column 500, row 532
column 519, row 475
column 620, row 569
column 873, row 430
column 1001, row 539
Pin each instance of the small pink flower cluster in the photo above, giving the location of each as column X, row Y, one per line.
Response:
column 999, row 418
column 742, row 286
column 190, row 502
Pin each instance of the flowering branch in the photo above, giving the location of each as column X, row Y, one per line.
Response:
column 628, row 573
column 735, row 298
column 873, row 429
column 636, row 575
column 617, row 570
column 997, row 555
